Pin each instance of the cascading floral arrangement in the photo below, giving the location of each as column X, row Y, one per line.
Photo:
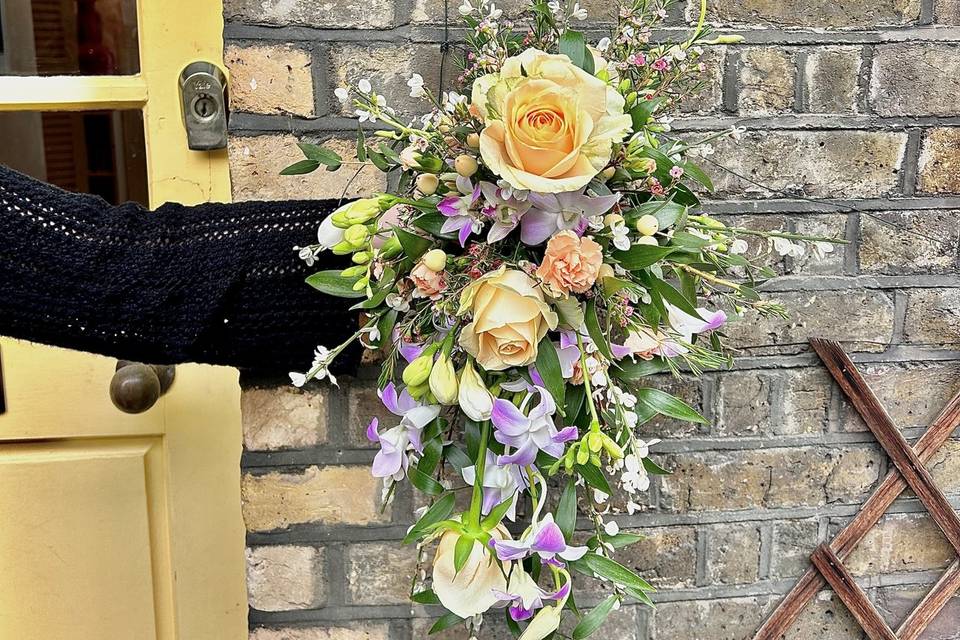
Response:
column 538, row 259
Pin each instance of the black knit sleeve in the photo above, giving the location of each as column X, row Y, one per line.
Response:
column 213, row 283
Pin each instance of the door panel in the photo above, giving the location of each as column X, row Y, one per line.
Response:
column 115, row 525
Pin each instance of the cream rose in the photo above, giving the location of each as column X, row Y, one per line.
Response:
column 471, row 590
column 510, row 317
column 550, row 126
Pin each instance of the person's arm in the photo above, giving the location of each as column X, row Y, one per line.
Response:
column 213, row 283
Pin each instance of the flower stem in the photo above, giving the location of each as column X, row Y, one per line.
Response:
column 595, row 422
column 709, row 277
column 476, row 500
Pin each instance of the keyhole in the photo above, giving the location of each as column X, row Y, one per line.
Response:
column 204, row 106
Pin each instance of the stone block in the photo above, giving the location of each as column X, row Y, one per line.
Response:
column 687, row 389
column 256, row 162
column 866, row 14
column 270, row 79
column 759, row 250
column 666, row 557
column 283, row 418
column 899, row 543
column 831, row 76
column 940, row 161
column 861, row 319
column 727, row 619
column 321, row 495
column 805, row 402
column 826, row 617
column 362, row 631
column 709, row 98
column 793, row 542
column 910, row 242
column 916, row 79
column 431, row 11
column 743, row 404
column 912, row 393
column 946, row 11
column 933, row 317
column 766, row 81
column 944, row 466
column 348, row 14
column 831, row 262
column 819, row 164
column 364, row 405
column 379, row 573
column 733, row 553
column 895, row 603
column 285, row 578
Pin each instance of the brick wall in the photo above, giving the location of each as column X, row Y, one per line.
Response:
column 858, row 102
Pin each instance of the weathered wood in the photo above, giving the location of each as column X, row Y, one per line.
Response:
column 879, row 422
column 837, row 576
column 935, row 600
column 870, row 513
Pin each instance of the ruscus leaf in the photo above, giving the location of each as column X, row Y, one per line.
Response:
column 668, row 405
column 593, row 620
column 334, row 284
column 548, row 366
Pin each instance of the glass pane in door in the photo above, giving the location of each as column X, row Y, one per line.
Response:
column 99, row 152
column 68, row 37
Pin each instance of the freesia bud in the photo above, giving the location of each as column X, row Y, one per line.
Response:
column 342, row 248
column 418, row 371
column 474, row 398
column 417, row 392
column 361, row 257
column 356, row 212
column 354, row 272
column 443, row 380
column 435, row 260
column 606, row 271
column 356, row 235
column 612, row 219
column 612, row 448
column 473, row 141
column 647, row 240
column 725, row 40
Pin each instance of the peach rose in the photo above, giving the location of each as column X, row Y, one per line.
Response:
column 429, row 283
column 550, row 126
column 510, row 317
column 570, row 264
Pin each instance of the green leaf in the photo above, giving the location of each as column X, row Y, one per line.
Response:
column 496, row 514
column 641, row 256
column 596, row 333
column 455, row 456
column 653, row 468
column 322, row 155
column 611, row 570
column 665, row 211
column 689, row 241
column 548, row 366
column 668, row 405
column 669, row 293
column 361, row 145
column 566, row 517
column 378, row 160
column 432, row 222
column 334, row 284
column 300, row 167
column 698, row 174
column 570, row 312
column 413, row 245
column 439, row 511
column 644, row 110
column 592, row 621
column 432, row 451
column 574, row 46
column 425, row 597
column 512, row 625
column 385, row 325
column 637, row 370
column 471, row 436
column 573, row 402
column 594, row 477
column 424, row 483
column 444, row 622
column 461, row 552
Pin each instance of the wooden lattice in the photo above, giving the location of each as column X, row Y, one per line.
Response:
column 910, row 472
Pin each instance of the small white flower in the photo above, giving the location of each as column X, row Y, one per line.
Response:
column 611, row 528
column 786, row 248
column 398, row 302
column 364, row 86
column 578, row 12
column 621, row 236
column 554, row 7
column 737, row 132
column 416, row 86
column 495, row 12
column 603, row 45
column 466, row 8
column 677, row 53
column 298, row 379
column 307, row 254
column 342, row 94
column 739, row 246
column 821, row 249
column 365, row 116
column 599, row 496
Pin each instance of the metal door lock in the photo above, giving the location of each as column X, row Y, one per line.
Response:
column 203, row 96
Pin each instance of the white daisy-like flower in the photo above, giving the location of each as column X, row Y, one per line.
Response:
column 603, row 45
column 466, row 8
column 365, row 86
column 739, row 246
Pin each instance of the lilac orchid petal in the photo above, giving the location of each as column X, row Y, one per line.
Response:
column 386, row 463
column 566, row 434
column 465, row 232
column 491, row 498
column 388, row 396
column 549, row 539
column 510, row 549
column 620, row 351
column 568, row 339
column 523, row 456
column 448, row 206
column 560, row 594
column 518, row 613
column 508, row 419
column 411, row 351
column 372, row 434
column 536, row 226
column 570, row 554
column 500, row 230
column 546, row 407
column 536, row 377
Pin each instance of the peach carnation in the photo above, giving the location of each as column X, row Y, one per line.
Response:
column 570, row 264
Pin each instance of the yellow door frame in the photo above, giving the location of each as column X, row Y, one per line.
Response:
column 197, row 532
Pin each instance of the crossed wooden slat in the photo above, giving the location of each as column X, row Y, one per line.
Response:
column 910, row 472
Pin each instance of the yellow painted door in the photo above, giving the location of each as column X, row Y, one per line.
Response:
column 114, row 526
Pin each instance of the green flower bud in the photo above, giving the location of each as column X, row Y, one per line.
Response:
column 354, row 272
column 418, row 372
column 361, row 284
column 595, row 441
column 417, row 392
column 361, row 257
column 624, row 85
column 356, row 212
column 356, row 235
column 583, row 454
column 612, row 448
column 342, row 248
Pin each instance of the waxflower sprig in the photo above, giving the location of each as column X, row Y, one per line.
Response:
column 541, row 258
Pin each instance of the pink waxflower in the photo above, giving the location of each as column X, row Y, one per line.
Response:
column 676, row 172
column 429, row 283
column 660, row 64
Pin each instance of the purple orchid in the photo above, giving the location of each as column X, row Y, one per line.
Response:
column 558, row 211
column 543, row 538
column 392, row 459
column 457, row 210
column 569, row 353
column 504, row 208
column 524, row 596
column 501, row 482
column 531, row 433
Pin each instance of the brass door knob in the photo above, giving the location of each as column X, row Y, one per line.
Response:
column 136, row 387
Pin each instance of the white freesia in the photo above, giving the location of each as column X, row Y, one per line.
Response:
column 471, row 590
column 474, row 398
column 329, row 234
